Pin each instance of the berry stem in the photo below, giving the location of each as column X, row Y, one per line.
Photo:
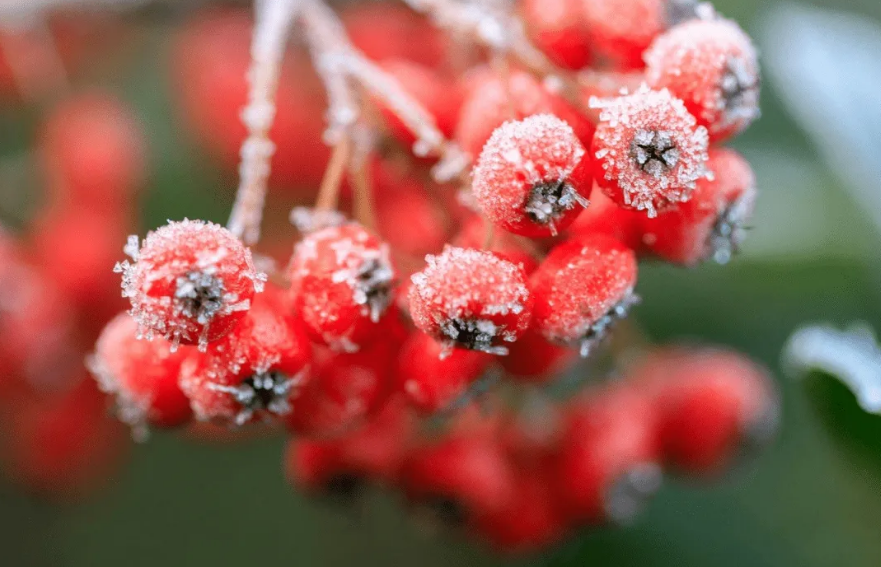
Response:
column 273, row 21
column 364, row 211
column 329, row 192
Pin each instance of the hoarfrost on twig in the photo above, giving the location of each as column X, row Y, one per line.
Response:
column 852, row 356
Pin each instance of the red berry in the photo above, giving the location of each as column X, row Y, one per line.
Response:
column 432, row 377
column 143, row 375
column 489, row 100
column 315, row 466
column 533, row 359
column 94, row 149
column 582, row 289
column 255, row 371
column 471, row 299
column 409, row 219
column 472, row 234
column 713, row 67
column 342, row 280
column 715, row 405
column 712, row 223
column 457, row 479
column 607, row 467
column 532, row 177
column 388, row 31
column 604, row 216
column 620, row 30
column 191, row 282
column 558, row 29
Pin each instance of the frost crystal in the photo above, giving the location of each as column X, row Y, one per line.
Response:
column 263, row 391
column 599, row 330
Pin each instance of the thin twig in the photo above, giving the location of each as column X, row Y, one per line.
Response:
column 329, row 192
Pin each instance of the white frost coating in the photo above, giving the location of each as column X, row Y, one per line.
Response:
column 852, row 356
column 273, row 20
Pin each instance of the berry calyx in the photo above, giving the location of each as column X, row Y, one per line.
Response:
column 471, row 299
column 649, row 150
column 189, row 282
column 533, row 177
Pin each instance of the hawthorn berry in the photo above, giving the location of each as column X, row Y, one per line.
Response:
column 342, row 283
column 432, row 376
column 714, row 405
column 713, row 223
column 490, row 100
column 533, row 176
column 607, row 464
column 557, row 28
column 649, row 150
column 582, row 289
column 471, row 299
column 189, row 281
column 712, row 66
column 142, row 375
column 255, row 371
column 452, row 481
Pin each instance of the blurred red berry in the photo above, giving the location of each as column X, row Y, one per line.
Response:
column 533, row 176
column 534, row 359
column 713, row 67
column 473, row 234
column 604, row 216
column 557, row 28
column 471, row 299
column 190, row 282
column 409, row 219
column 388, row 31
column 142, row 375
column 620, row 30
column 582, row 289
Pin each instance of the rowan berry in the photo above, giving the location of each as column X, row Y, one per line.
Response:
column 712, row 66
column 342, row 283
column 453, row 481
column 388, row 31
column 714, row 405
column 491, row 99
column 409, row 219
column 649, row 150
column 533, row 176
column 142, row 375
column 432, row 376
column 94, row 151
column 620, row 30
column 255, row 371
column 604, row 216
column 713, row 223
column 471, row 299
column 607, row 465
column 558, row 29
column 533, row 359
column 190, row 282
column 582, row 289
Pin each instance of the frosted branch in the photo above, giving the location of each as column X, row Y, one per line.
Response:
column 273, row 20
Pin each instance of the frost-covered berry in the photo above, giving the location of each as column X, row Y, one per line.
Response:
column 490, row 100
column 254, row 372
column 607, row 466
column 713, row 67
column 620, row 30
column 143, row 375
column 190, row 282
column 342, row 281
column 471, row 299
column 713, row 223
column 649, row 150
column 431, row 378
column 582, row 289
column 533, row 176
column 557, row 28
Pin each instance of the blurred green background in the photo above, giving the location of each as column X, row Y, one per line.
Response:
column 809, row 501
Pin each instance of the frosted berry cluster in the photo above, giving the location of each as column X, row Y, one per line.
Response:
column 466, row 251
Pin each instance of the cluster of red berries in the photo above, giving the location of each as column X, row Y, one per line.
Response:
column 460, row 299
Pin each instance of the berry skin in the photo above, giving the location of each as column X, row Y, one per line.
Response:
column 535, row 360
column 457, row 479
column 143, row 375
column 489, row 100
column 190, row 282
column 388, row 31
column 583, row 287
column 714, row 405
column 649, row 150
column 713, row 67
column 557, row 28
column 342, row 281
column 472, row 234
column 409, row 220
column 607, row 462
column 254, row 372
column 432, row 376
column 471, row 299
column 533, row 176
column 712, row 223
column 604, row 216
column 94, row 150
